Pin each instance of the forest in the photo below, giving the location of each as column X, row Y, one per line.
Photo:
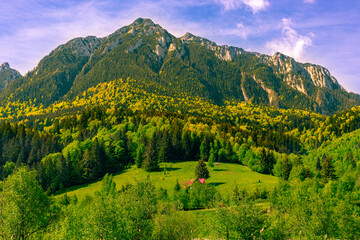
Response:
column 315, row 157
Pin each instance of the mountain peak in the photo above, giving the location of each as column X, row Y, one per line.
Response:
column 7, row 75
column 146, row 21
column 191, row 37
column 4, row 66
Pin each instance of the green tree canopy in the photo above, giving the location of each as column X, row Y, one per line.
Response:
column 24, row 206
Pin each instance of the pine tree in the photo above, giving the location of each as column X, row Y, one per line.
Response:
column 186, row 145
column 165, row 148
column 318, row 164
column 97, row 152
column 151, row 156
column 177, row 186
column 64, row 170
column 90, row 167
column 328, row 170
column 267, row 161
column 205, row 148
column 286, row 169
column 201, row 170
column 139, row 156
column 211, row 158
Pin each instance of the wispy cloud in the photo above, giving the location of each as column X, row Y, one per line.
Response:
column 28, row 41
column 254, row 5
column 309, row 1
column 242, row 30
column 291, row 42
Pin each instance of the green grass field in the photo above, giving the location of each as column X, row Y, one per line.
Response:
column 224, row 176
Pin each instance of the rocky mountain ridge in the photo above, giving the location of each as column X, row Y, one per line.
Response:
column 200, row 67
column 292, row 72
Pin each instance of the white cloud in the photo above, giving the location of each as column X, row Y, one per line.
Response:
column 254, row 5
column 257, row 28
column 309, row 1
column 291, row 42
column 242, row 30
column 257, row 5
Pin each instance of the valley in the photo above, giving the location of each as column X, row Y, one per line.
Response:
column 100, row 138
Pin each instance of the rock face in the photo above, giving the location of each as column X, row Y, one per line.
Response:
column 192, row 64
column 294, row 73
column 83, row 47
column 7, row 75
column 4, row 66
column 321, row 76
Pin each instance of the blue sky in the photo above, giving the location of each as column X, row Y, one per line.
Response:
column 318, row 31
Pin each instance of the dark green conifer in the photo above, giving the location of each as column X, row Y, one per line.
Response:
column 286, row 168
column 201, row 170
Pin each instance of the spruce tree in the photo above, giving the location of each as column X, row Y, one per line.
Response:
column 165, row 147
column 267, row 161
column 211, row 158
column 328, row 170
column 177, row 186
column 205, row 148
column 90, row 166
column 151, row 156
column 318, row 164
column 286, row 169
column 201, row 170
column 139, row 156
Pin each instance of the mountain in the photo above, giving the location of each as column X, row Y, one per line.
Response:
column 7, row 75
column 189, row 64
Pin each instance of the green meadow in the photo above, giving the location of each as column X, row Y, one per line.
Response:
column 223, row 176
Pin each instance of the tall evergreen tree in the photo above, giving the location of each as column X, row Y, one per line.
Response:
column 165, row 148
column 139, row 158
column 267, row 161
column 286, row 168
column 328, row 170
column 90, row 166
column 211, row 158
column 201, row 170
column 151, row 155
column 318, row 164
column 205, row 148
column 186, row 144
column 64, row 170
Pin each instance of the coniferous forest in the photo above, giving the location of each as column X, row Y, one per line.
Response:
column 76, row 121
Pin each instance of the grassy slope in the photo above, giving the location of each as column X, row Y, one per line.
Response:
column 224, row 176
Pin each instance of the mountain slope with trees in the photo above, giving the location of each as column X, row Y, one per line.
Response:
column 145, row 51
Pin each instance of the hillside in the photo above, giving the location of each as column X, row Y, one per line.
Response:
column 191, row 65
